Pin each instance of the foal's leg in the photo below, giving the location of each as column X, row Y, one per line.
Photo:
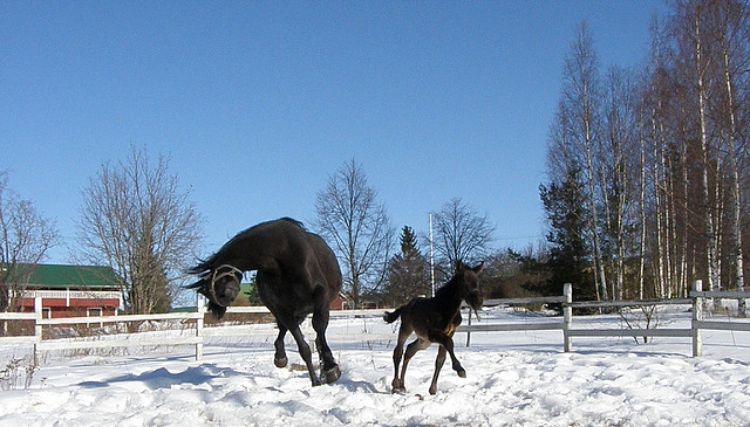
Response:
column 438, row 366
column 415, row 346
column 447, row 342
column 403, row 333
column 329, row 370
column 279, row 358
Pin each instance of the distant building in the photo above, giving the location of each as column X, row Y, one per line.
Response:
column 341, row 302
column 69, row 290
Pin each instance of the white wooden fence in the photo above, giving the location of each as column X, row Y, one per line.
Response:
column 698, row 299
column 135, row 339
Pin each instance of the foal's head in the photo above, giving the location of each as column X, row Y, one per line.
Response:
column 467, row 282
column 220, row 285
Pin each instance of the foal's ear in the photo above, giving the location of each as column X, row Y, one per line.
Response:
column 478, row 268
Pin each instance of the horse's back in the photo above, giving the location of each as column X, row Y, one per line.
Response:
column 300, row 253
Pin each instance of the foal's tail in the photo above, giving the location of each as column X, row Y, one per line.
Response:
column 391, row 316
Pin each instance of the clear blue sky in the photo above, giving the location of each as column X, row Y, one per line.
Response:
column 258, row 103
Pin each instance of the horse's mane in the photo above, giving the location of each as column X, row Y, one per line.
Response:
column 293, row 221
column 208, row 263
column 446, row 287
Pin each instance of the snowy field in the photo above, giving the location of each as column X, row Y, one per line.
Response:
column 514, row 379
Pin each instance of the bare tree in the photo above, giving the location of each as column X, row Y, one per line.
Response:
column 136, row 219
column 731, row 20
column 618, row 158
column 349, row 215
column 696, row 51
column 461, row 234
column 26, row 237
column 582, row 97
column 667, row 181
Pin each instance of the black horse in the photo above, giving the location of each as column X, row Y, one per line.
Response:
column 434, row 320
column 297, row 274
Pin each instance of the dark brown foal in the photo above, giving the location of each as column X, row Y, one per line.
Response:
column 434, row 320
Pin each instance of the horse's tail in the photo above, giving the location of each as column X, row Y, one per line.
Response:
column 391, row 316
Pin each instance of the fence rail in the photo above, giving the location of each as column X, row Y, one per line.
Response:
column 698, row 299
column 632, row 303
column 630, row 333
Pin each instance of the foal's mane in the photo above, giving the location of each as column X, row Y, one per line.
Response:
column 209, row 263
column 448, row 286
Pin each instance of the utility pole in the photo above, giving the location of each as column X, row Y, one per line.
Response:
column 432, row 256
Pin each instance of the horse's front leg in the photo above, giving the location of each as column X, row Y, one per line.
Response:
column 447, row 342
column 329, row 370
column 305, row 352
column 438, row 366
column 279, row 358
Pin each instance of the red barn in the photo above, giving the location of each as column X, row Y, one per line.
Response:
column 340, row 303
column 69, row 290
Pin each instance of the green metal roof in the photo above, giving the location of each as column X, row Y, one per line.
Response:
column 59, row 276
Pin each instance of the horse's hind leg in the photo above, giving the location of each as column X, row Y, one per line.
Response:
column 438, row 366
column 305, row 352
column 329, row 370
column 279, row 358
column 397, row 384
column 411, row 350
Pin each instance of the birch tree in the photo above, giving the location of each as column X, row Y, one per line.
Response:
column 582, row 96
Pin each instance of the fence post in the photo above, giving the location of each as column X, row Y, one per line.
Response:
column 567, row 317
column 201, row 308
column 697, row 317
column 468, row 332
column 37, row 328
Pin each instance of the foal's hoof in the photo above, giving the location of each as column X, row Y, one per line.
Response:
column 398, row 390
column 433, row 390
column 461, row 373
column 330, row 376
column 280, row 363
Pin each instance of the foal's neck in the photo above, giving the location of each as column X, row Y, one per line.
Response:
column 448, row 296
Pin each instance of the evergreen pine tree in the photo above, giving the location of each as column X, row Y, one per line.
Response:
column 566, row 212
column 408, row 241
column 407, row 271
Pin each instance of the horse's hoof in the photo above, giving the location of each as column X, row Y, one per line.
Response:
column 316, row 382
column 433, row 390
column 280, row 363
column 461, row 373
column 398, row 390
column 331, row 376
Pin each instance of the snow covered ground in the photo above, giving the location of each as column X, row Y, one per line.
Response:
column 514, row 378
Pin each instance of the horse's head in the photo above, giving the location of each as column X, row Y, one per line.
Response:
column 468, row 279
column 220, row 285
